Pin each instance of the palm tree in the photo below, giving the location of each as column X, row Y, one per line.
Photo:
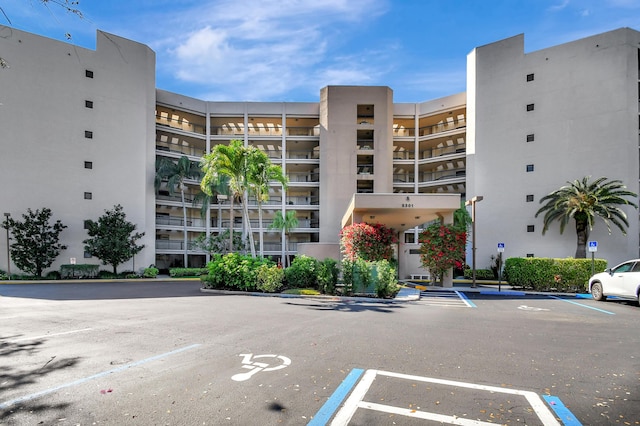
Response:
column 175, row 173
column 263, row 173
column 583, row 200
column 232, row 161
column 285, row 224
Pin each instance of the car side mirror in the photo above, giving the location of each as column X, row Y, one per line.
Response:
column 609, row 271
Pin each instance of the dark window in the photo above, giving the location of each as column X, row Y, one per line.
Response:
column 414, row 251
column 88, row 104
column 530, row 255
column 410, row 238
column 529, row 198
column 530, row 137
column 87, row 255
column 531, row 228
column 88, row 73
column 88, row 134
column 88, row 196
column 86, row 224
column 529, row 167
column 529, row 77
column 530, row 107
column 88, row 165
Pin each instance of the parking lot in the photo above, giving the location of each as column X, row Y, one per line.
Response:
column 165, row 353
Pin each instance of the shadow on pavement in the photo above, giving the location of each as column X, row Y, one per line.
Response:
column 102, row 290
column 350, row 306
column 15, row 377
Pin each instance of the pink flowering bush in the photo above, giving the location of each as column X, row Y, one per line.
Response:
column 442, row 247
column 370, row 242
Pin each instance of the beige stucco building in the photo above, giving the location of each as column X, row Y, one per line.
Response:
column 82, row 130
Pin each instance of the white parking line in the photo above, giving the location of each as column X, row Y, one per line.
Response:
column 44, row 336
column 355, row 401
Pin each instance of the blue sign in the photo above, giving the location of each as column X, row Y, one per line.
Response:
column 593, row 246
column 501, row 247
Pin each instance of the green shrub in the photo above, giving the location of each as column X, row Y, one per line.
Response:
column 52, row 275
column 107, row 275
column 3, row 275
column 328, row 276
column 386, row 283
column 233, row 271
column 187, row 272
column 302, row 273
column 545, row 274
column 79, row 271
column 270, row 278
column 481, row 274
column 150, row 272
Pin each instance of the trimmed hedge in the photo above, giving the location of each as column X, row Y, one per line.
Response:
column 481, row 274
column 546, row 274
column 187, row 272
column 79, row 271
column 233, row 271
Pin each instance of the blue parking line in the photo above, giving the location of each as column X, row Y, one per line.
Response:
column 7, row 404
column 563, row 413
column 584, row 306
column 465, row 299
column 329, row 408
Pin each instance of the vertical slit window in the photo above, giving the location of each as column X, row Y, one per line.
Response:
column 530, row 77
column 529, row 198
column 88, row 196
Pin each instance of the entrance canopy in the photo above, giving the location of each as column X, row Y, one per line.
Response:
column 400, row 211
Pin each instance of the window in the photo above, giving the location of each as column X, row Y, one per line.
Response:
column 409, row 238
column 87, row 255
column 530, row 107
column 530, row 137
column 531, row 228
column 86, row 224
column 88, row 134
column 529, row 198
column 530, row 255
column 88, row 104
column 88, row 165
column 529, row 167
column 88, row 73
column 530, row 77
column 88, row 196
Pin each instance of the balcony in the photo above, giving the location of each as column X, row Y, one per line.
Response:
column 441, row 175
column 180, row 124
column 438, row 152
column 442, row 127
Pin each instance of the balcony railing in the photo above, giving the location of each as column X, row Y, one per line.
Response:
column 404, row 155
column 175, row 245
column 303, row 201
column 442, row 127
column 404, row 178
column 179, row 221
column 303, row 177
column 303, row 155
column 403, row 132
column 181, row 124
column 439, row 152
column 261, row 130
column 186, row 150
column 442, row 175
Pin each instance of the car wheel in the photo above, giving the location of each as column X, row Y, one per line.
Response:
column 596, row 291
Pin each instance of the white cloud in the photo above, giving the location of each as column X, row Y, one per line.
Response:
column 263, row 48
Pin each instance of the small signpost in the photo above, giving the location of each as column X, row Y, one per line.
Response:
column 500, row 251
column 593, row 248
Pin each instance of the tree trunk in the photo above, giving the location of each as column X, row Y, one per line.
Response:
column 260, row 236
column 582, row 233
column 231, row 220
column 247, row 223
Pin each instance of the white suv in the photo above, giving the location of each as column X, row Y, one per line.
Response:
column 620, row 281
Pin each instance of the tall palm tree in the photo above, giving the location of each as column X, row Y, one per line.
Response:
column 285, row 224
column 233, row 161
column 175, row 173
column 263, row 173
column 582, row 201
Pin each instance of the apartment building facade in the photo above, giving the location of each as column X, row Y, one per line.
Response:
column 92, row 142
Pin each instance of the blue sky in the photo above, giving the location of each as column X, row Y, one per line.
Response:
column 286, row 50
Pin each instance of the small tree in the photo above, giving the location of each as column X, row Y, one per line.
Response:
column 442, row 248
column 113, row 240
column 370, row 242
column 285, row 223
column 36, row 243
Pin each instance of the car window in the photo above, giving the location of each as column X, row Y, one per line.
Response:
column 625, row 267
column 636, row 267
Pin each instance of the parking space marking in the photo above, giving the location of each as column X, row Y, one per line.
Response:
column 6, row 404
column 567, row 417
column 329, row 408
column 44, row 336
column 582, row 305
column 355, row 401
